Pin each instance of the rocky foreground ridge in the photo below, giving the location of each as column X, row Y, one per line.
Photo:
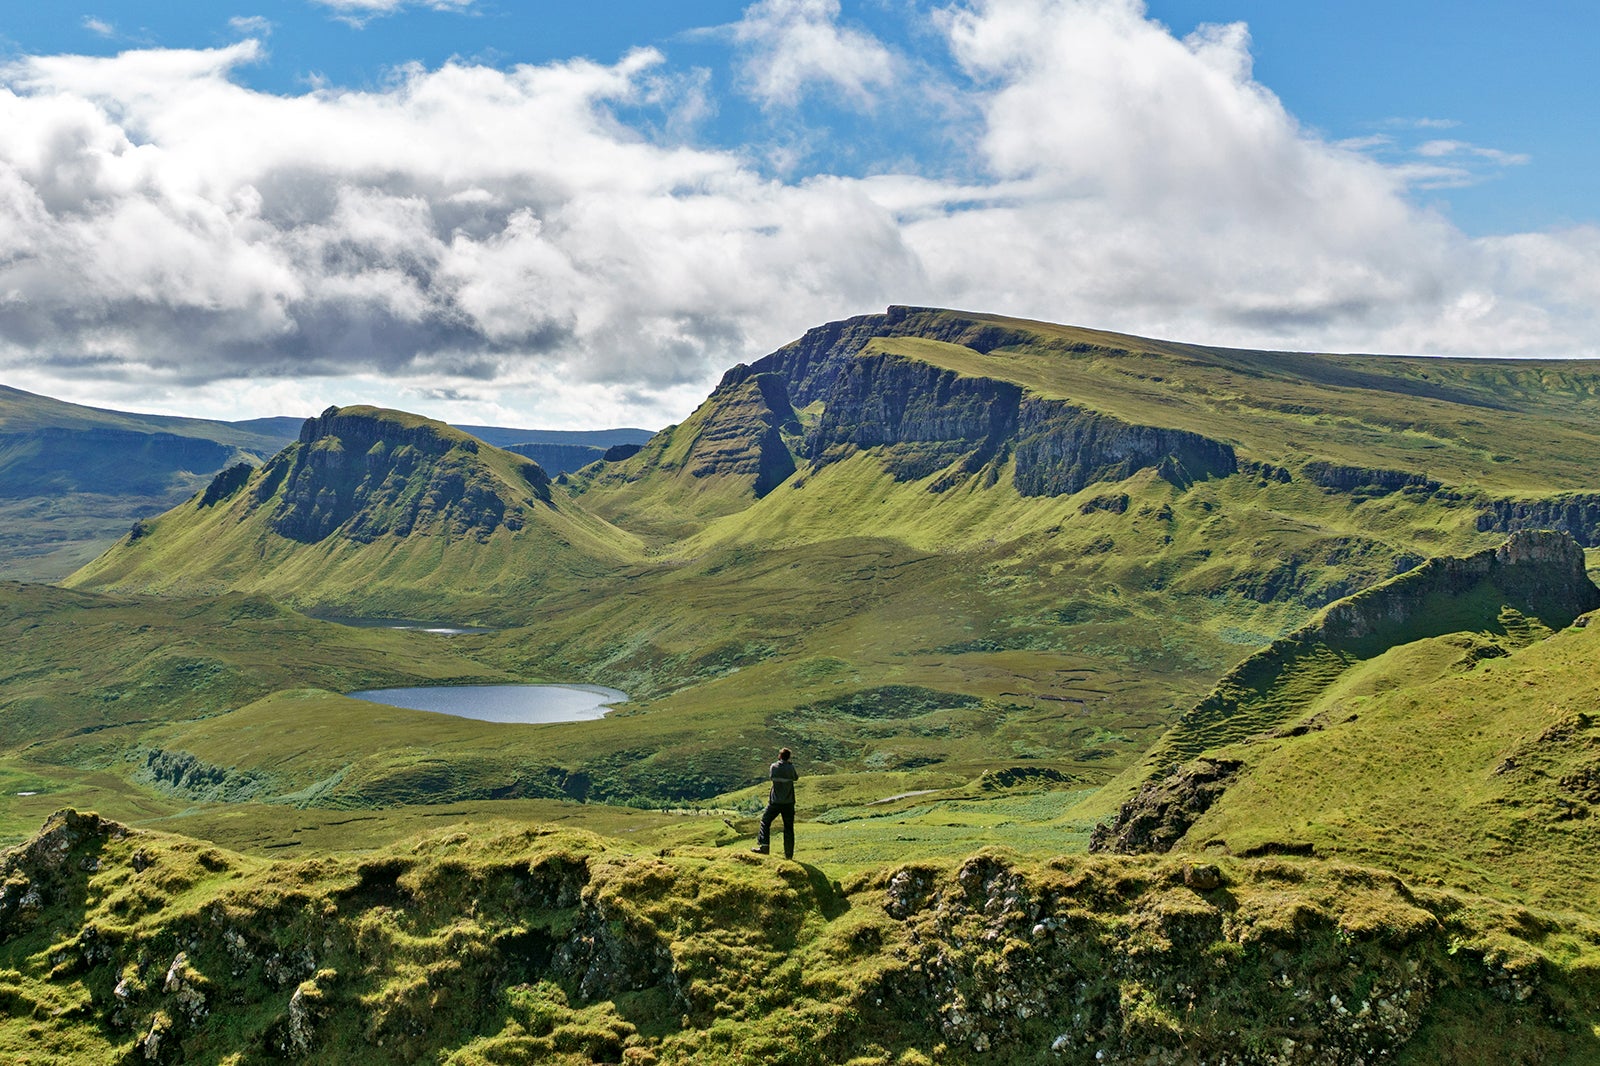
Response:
column 514, row 944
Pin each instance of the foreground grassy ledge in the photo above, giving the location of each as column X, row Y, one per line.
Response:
column 514, row 944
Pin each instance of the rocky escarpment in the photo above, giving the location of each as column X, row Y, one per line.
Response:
column 1574, row 513
column 1533, row 576
column 740, row 431
column 1367, row 481
column 515, row 943
column 1064, row 449
column 931, row 416
column 812, row 364
column 925, row 418
column 370, row 473
column 559, row 458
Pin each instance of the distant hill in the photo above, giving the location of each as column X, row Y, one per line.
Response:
column 560, row 451
column 73, row 478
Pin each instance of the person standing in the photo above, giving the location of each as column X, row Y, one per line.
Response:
column 780, row 802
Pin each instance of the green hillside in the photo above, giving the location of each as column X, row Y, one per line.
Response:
column 1317, row 620
column 371, row 512
column 1437, row 725
column 498, row 942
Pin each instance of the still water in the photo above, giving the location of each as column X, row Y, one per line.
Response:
column 525, row 704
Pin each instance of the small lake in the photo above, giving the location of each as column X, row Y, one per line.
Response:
column 525, row 704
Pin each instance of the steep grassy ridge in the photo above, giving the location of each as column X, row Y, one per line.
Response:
column 1432, row 725
column 372, row 512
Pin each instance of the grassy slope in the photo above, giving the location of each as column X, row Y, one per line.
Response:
column 1446, row 760
column 86, row 677
column 1465, row 422
column 436, row 571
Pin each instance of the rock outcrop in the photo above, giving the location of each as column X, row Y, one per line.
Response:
column 1574, row 513
column 521, row 943
column 1367, row 481
column 924, row 418
column 225, row 484
column 1156, row 818
column 369, row 473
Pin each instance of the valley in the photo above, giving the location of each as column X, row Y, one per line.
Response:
column 1274, row 666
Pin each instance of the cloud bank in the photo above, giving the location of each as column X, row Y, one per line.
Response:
column 503, row 243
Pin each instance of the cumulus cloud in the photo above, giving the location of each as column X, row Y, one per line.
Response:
column 796, row 46
column 503, row 238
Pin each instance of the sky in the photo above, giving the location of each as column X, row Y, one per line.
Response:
column 572, row 216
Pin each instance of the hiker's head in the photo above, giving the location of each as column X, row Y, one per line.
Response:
column 783, row 755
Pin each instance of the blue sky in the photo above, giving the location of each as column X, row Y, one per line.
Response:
column 562, row 214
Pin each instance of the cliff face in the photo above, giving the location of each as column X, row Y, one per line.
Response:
column 1063, row 449
column 929, row 417
column 925, row 417
column 1541, row 574
column 1577, row 514
column 741, row 431
column 370, row 474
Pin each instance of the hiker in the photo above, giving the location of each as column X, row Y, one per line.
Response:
column 780, row 801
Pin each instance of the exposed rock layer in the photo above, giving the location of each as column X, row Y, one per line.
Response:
column 368, row 475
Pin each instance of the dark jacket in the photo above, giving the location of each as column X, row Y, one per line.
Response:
column 784, row 775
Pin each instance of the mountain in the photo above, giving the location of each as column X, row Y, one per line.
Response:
column 920, row 540
column 380, row 513
column 74, row 478
column 1312, row 630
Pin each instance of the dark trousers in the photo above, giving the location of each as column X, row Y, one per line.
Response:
column 773, row 811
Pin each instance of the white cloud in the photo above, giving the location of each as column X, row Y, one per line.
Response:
column 794, row 46
column 99, row 26
column 359, row 12
column 478, row 242
column 251, row 25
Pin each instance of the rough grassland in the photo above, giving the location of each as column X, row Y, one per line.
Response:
column 512, row 944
